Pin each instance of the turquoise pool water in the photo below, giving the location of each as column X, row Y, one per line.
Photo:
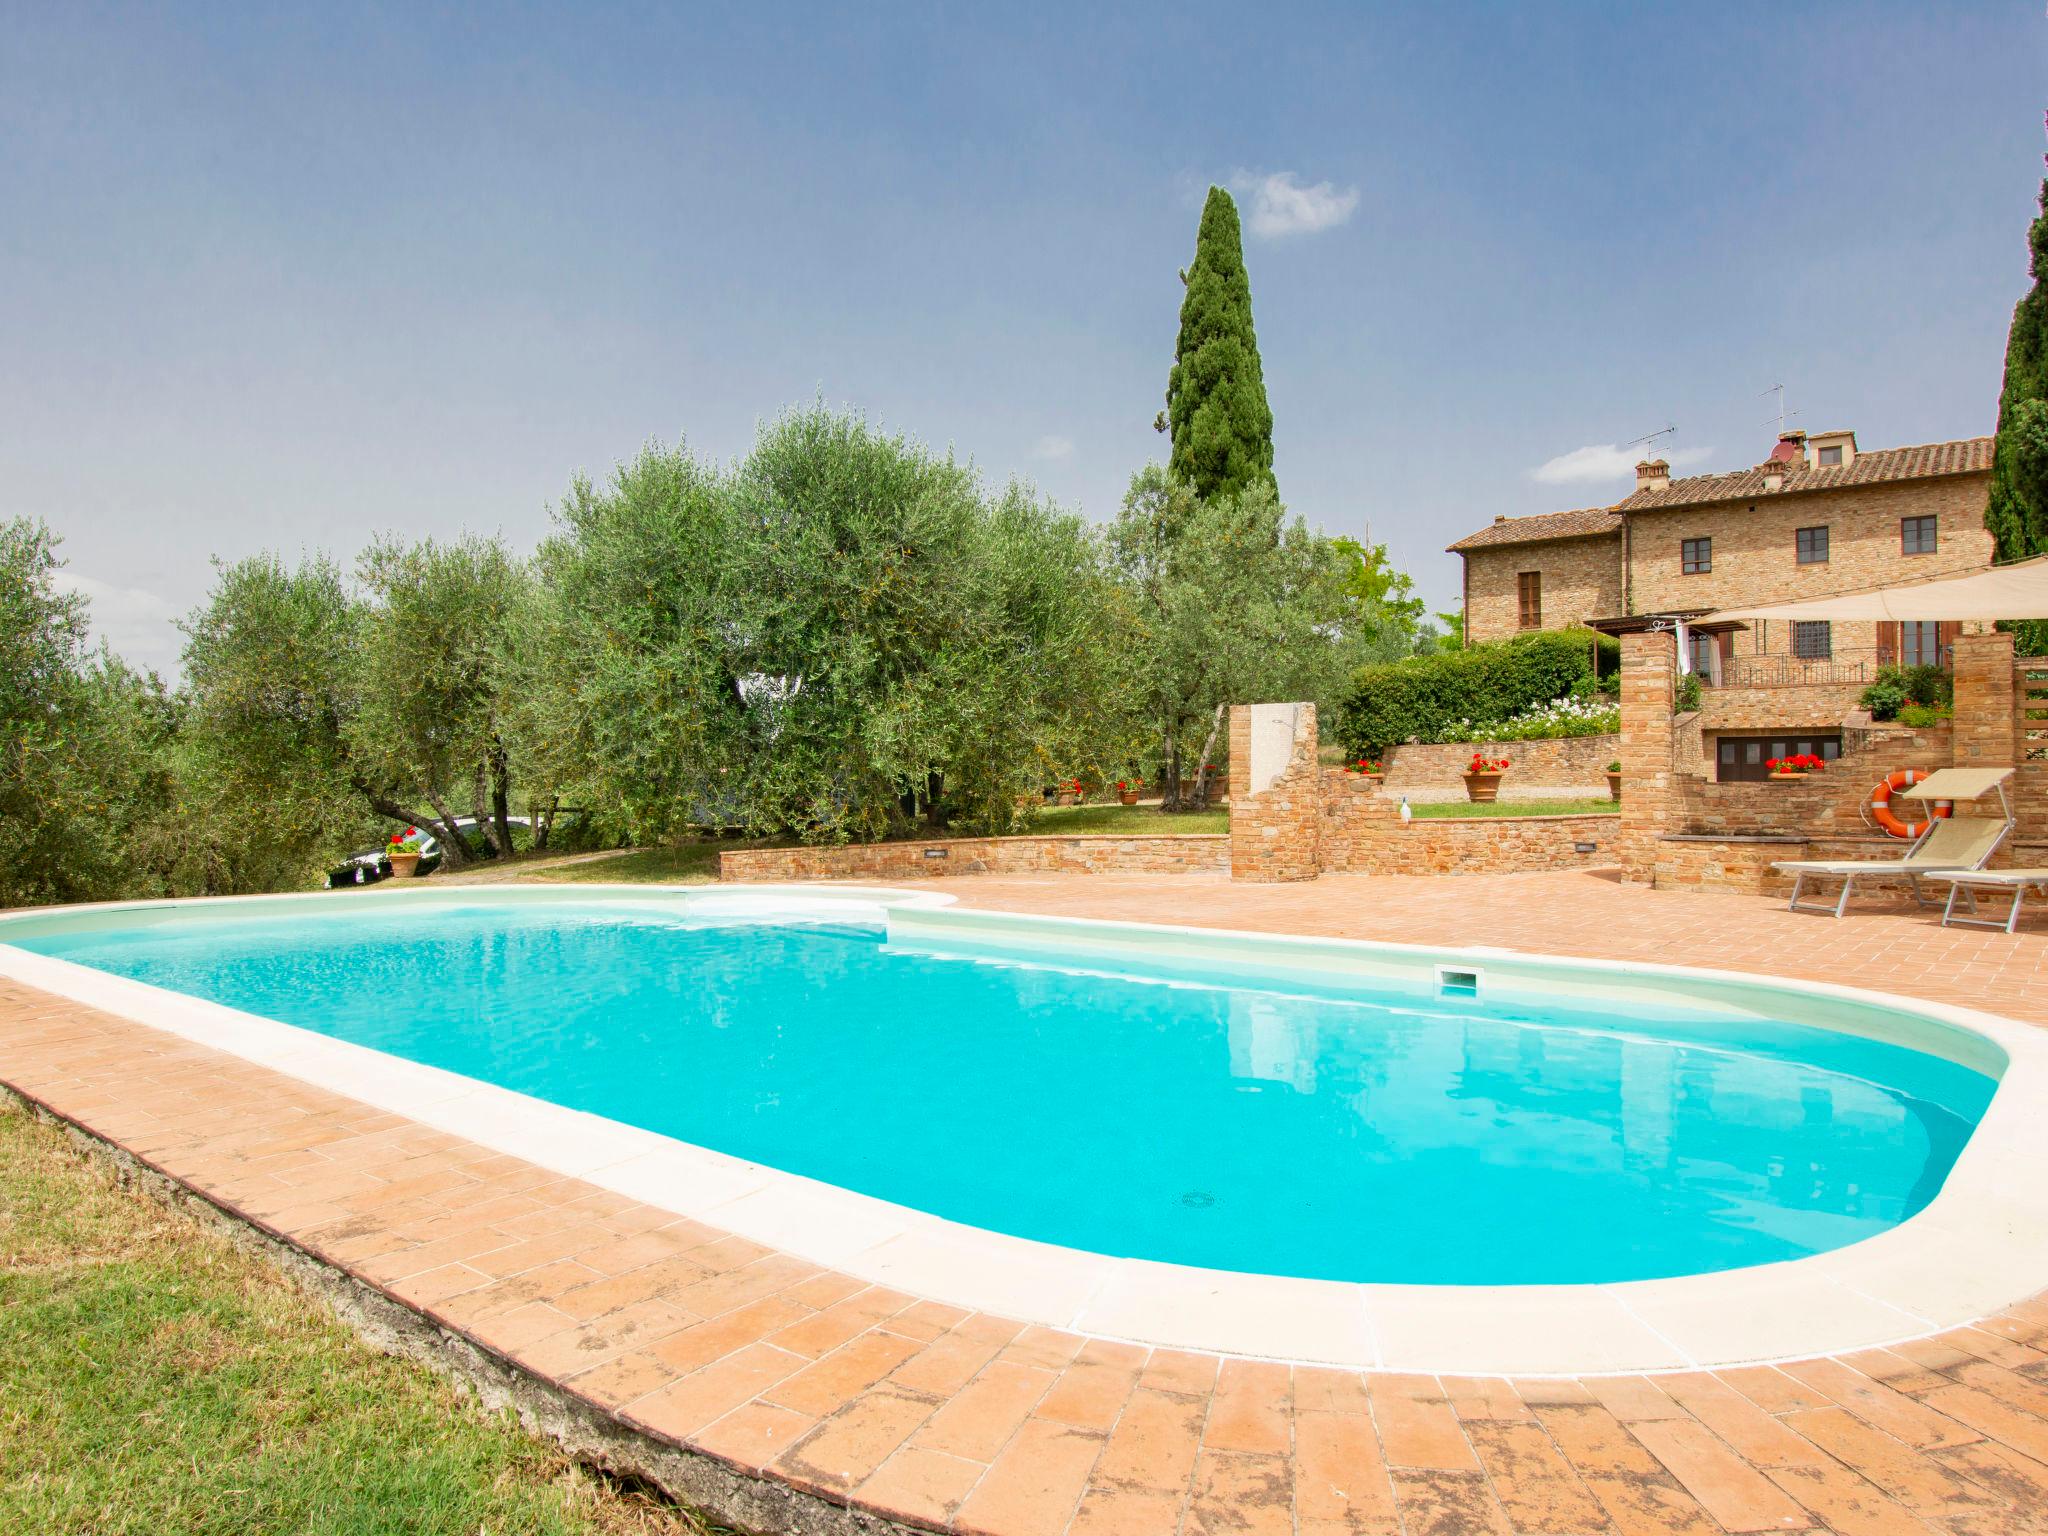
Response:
column 1281, row 1129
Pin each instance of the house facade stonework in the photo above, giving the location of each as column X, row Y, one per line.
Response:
column 1795, row 526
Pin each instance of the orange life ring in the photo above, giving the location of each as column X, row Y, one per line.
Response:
column 1887, row 819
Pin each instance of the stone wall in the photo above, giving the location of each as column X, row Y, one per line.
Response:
column 1581, row 580
column 1568, row 760
column 1711, row 834
column 1986, row 707
column 1163, row 853
column 1802, row 706
column 1274, row 822
column 1648, row 747
column 1362, row 834
column 1825, row 804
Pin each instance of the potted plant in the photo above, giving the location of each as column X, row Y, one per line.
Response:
column 1614, row 779
column 1797, row 766
column 1482, row 778
column 1368, row 768
column 404, row 853
column 1070, row 792
column 1127, row 792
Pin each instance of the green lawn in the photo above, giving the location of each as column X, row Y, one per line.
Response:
column 1445, row 809
column 689, row 864
column 155, row 1381
column 1124, row 820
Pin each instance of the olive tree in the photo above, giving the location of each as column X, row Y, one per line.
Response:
column 841, row 635
column 432, row 678
column 1233, row 601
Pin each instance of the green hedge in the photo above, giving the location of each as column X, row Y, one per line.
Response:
column 1386, row 703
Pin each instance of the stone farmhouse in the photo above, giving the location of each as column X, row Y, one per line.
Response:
column 1819, row 516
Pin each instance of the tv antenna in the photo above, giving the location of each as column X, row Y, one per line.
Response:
column 1783, row 414
column 1650, row 437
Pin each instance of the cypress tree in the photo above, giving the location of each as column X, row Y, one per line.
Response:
column 2018, row 511
column 1216, row 396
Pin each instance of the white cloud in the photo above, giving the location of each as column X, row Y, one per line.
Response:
column 136, row 622
column 1053, row 446
column 1609, row 461
column 1282, row 206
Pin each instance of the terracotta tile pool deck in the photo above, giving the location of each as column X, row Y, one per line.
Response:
column 878, row 1408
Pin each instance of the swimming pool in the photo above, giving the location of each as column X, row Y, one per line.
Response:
column 1352, row 1117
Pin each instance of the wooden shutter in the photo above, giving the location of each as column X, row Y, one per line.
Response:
column 1944, row 641
column 1888, row 643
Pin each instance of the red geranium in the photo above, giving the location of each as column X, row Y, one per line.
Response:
column 1484, row 764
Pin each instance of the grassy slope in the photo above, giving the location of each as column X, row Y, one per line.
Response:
column 1125, row 820
column 154, row 1380
column 690, row 864
column 1441, row 810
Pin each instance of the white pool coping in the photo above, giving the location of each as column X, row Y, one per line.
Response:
column 1980, row 1245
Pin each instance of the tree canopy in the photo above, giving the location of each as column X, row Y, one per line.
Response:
column 843, row 635
column 1216, row 394
column 2017, row 514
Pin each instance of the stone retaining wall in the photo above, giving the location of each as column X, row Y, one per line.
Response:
column 1799, row 706
column 1362, row 834
column 1744, row 863
column 1565, row 760
column 1161, row 853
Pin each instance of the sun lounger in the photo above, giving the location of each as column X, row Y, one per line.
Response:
column 1959, row 843
column 1955, row 845
column 2016, row 882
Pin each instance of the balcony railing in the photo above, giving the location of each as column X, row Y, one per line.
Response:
column 1781, row 671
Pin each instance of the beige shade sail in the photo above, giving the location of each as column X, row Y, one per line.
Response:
column 2017, row 591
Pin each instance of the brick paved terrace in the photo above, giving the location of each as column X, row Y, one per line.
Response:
column 788, row 1397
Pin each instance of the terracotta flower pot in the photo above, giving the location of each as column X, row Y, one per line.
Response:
column 1482, row 788
column 405, row 866
column 1614, row 786
column 1127, row 797
column 1798, row 774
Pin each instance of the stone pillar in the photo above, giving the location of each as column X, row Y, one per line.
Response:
column 1987, row 706
column 1649, row 664
column 1275, row 793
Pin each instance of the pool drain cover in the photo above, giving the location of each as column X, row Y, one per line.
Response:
column 1198, row 1199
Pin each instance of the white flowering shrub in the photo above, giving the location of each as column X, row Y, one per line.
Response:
column 1541, row 722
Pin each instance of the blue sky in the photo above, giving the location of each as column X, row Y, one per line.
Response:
column 283, row 278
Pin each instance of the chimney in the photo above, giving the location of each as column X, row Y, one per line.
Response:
column 1791, row 449
column 1653, row 475
column 1774, row 474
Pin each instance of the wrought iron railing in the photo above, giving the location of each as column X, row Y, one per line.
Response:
column 1783, row 671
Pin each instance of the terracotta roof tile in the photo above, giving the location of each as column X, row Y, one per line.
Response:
column 1968, row 455
column 1584, row 523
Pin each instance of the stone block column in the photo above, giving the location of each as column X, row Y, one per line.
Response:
column 1275, row 793
column 1649, row 795
column 1987, row 704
